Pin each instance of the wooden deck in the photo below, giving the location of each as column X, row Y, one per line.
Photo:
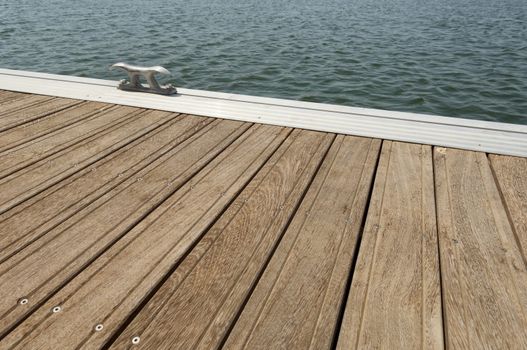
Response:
column 123, row 227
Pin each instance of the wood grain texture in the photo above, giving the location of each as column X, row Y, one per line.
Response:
column 484, row 278
column 202, row 297
column 16, row 106
column 37, row 216
column 296, row 303
column 511, row 177
column 67, row 248
column 34, row 112
column 46, row 126
column 8, row 96
column 4, row 95
column 201, row 233
column 36, row 177
column 112, row 286
column 395, row 296
column 31, row 152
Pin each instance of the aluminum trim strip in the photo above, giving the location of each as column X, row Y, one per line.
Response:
column 484, row 136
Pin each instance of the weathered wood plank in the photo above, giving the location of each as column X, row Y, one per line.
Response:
column 67, row 249
column 395, row 296
column 4, row 94
column 208, row 289
column 296, row 303
column 56, row 204
column 18, row 105
column 46, row 126
column 36, row 150
column 8, row 96
column 511, row 176
column 113, row 285
column 34, row 112
column 483, row 275
column 32, row 179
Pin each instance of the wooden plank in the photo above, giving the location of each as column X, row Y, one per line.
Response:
column 58, row 203
column 113, row 285
column 35, row 112
column 46, row 126
column 18, row 105
column 34, row 151
column 30, row 180
column 295, row 305
column 5, row 92
column 483, row 275
column 67, row 249
column 511, row 176
column 395, row 296
column 8, row 96
column 211, row 284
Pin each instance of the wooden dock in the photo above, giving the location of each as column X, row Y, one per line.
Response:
column 124, row 227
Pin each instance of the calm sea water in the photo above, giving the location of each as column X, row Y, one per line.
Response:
column 462, row 58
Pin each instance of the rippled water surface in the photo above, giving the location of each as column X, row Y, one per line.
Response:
column 463, row 58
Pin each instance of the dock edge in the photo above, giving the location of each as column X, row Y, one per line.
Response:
column 475, row 135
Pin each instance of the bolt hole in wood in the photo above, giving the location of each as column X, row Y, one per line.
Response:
column 23, row 301
column 99, row 327
column 136, row 340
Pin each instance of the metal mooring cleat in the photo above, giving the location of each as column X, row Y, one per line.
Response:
column 134, row 84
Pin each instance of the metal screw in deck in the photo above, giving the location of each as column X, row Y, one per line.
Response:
column 56, row 309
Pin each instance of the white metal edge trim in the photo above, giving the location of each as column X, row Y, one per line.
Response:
column 282, row 102
column 500, row 138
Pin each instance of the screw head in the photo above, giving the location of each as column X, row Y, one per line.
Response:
column 136, row 340
column 99, row 327
column 56, row 309
column 23, row 301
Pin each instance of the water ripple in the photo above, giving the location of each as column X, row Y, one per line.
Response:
column 458, row 58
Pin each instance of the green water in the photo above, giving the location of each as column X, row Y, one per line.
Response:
column 463, row 58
